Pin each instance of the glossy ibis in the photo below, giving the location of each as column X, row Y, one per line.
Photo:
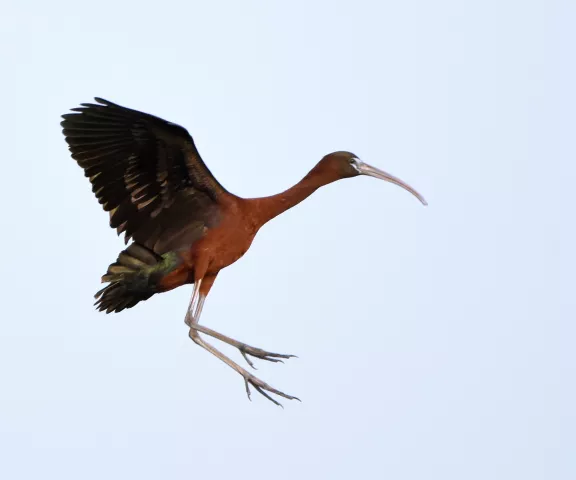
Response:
column 185, row 227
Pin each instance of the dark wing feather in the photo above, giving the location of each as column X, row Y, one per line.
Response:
column 140, row 167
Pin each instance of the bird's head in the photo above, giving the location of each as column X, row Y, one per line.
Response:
column 347, row 165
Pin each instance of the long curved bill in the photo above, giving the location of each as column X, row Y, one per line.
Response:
column 371, row 171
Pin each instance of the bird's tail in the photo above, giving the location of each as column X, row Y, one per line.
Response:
column 131, row 279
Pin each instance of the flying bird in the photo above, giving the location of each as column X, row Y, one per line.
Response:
column 183, row 225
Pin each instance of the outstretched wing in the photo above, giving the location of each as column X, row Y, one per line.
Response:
column 140, row 166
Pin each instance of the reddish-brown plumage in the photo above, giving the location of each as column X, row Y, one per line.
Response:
column 240, row 220
column 181, row 275
column 184, row 225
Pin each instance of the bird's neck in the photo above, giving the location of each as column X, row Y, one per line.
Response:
column 269, row 207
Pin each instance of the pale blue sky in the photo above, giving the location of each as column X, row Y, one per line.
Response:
column 434, row 343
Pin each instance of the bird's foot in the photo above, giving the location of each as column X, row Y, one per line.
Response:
column 262, row 387
column 246, row 350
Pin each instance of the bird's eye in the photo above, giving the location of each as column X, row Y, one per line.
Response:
column 354, row 163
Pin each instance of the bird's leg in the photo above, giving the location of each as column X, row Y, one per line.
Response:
column 193, row 317
column 243, row 347
column 192, row 320
column 193, row 300
column 249, row 379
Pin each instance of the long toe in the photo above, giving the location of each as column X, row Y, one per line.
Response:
column 262, row 388
column 263, row 354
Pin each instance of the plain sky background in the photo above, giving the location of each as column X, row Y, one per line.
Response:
column 433, row 343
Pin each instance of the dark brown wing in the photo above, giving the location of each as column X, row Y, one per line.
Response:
column 143, row 169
